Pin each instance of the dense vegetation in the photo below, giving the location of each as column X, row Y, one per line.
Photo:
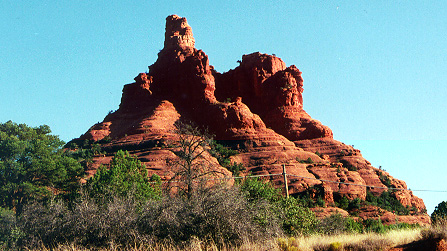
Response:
column 440, row 212
column 44, row 204
column 33, row 166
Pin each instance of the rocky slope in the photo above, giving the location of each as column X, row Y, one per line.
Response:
column 256, row 108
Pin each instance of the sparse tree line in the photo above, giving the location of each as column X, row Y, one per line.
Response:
column 43, row 203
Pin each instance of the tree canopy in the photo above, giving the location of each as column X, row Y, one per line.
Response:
column 440, row 212
column 33, row 166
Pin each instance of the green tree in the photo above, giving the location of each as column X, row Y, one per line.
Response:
column 440, row 212
column 33, row 166
column 127, row 176
column 293, row 217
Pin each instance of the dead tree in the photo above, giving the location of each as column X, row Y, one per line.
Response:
column 191, row 167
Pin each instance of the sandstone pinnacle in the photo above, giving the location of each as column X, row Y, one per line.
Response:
column 178, row 34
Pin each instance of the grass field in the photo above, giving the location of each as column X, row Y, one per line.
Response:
column 366, row 241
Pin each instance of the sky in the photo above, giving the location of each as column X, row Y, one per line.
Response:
column 374, row 71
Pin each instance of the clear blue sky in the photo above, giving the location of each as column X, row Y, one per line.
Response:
column 374, row 71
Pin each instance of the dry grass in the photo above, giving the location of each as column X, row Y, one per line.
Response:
column 367, row 241
column 436, row 231
column 192, row 245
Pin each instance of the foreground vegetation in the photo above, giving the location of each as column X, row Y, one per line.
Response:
column 365, row 241
column 248, row 216
column 43, row 206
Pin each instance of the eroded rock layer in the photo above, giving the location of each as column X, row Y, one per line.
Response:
column 257, row 109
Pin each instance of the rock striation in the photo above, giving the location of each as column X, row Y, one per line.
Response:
column 256, row 108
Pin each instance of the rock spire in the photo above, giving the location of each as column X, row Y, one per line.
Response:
column 178, row 34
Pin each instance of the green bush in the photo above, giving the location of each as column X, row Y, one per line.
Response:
column 352, row 168
column 312, row 197
column 337, row 224
column 401, row 225
column 126, row 176
column 348, row 165
column 10, row 234
column 307, row 161
column 342, row 203
column 385, row 180
column 294, row 218
column 388, row 201
column 236, row 168
column 372, row 225
column 354, row 204
column 257, row 189
column 353, row 226
column 222, row 154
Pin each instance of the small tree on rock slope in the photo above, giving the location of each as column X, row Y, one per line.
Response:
column 191, row 166
column 126, row 176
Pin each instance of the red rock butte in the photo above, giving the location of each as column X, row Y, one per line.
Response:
column 257, row 109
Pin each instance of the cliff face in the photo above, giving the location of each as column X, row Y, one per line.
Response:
column 257, row 109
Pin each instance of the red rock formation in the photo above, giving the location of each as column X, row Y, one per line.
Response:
column 274, row 92
column 257, row 109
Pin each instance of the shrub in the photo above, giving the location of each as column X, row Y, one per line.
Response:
column 438, row 230
column 47, row 224
column 257, row 189
column 87, row 223
column 388, row 201
column 385, row 180
column 440, row 212
column 348, row 165
column 307, row 161
column 354, row 204
column 401, row 225
column 342, row 203
column 335, row 246
column 287, row 244
column 222, row 154
column 9, row 232
column 352, row 168
column 337, row 224
column 221, row 214
column 236, row 168
column 294, row 218
column 372, row 225
column 125, row 176
column 312, row 197
column 353, row 226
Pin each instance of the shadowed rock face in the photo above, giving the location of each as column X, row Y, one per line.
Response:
column 256, row 108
